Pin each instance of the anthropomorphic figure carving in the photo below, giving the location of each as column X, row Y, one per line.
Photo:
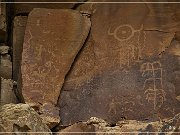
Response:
column 113, row 107
column 153, row 84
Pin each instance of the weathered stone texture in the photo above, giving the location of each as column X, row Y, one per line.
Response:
column 2, row 16
column 21, row 118
column 78, row 128
column 128, row 68
column 22, row 8
column 49, row 114
column 99, row 126
column 2, row 23
column 5, row 66
column 19, row 26
column 4, row 50
column 52, row 40
column 7, row 94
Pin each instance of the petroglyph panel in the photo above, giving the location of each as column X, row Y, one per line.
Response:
column 52, row 41
column 125, row 70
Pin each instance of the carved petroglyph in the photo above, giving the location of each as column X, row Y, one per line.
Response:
column 30, row 38
column 153, row 85
column 124, row 32
column 38, row 51
column 125, row 105
column 41, row 69
column 93, row 7
column 130, row 44
column 38, row 22
column 113, row 106
column 125, row 55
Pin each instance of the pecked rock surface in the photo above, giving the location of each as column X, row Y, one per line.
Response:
column 21, row 118
column 99, row 126
column 52, row 40
column 129, row 67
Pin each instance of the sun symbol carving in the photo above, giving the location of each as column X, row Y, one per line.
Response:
column 123, row 32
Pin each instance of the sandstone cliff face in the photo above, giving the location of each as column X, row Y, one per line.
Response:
column 128, row 68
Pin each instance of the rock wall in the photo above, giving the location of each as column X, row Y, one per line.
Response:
column 129, row 66
column 7, row 94
column 94, row 68
column 19, row 26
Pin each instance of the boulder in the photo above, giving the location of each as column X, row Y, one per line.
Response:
column 4, row 50
column 78, row 128
column 53, row 37
column 19, row 118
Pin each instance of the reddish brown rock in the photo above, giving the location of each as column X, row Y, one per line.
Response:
column 52, row 41
column 125, row 70
column 49, row 114
column 78, row 128
column 25, row 8
column 19, row 26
